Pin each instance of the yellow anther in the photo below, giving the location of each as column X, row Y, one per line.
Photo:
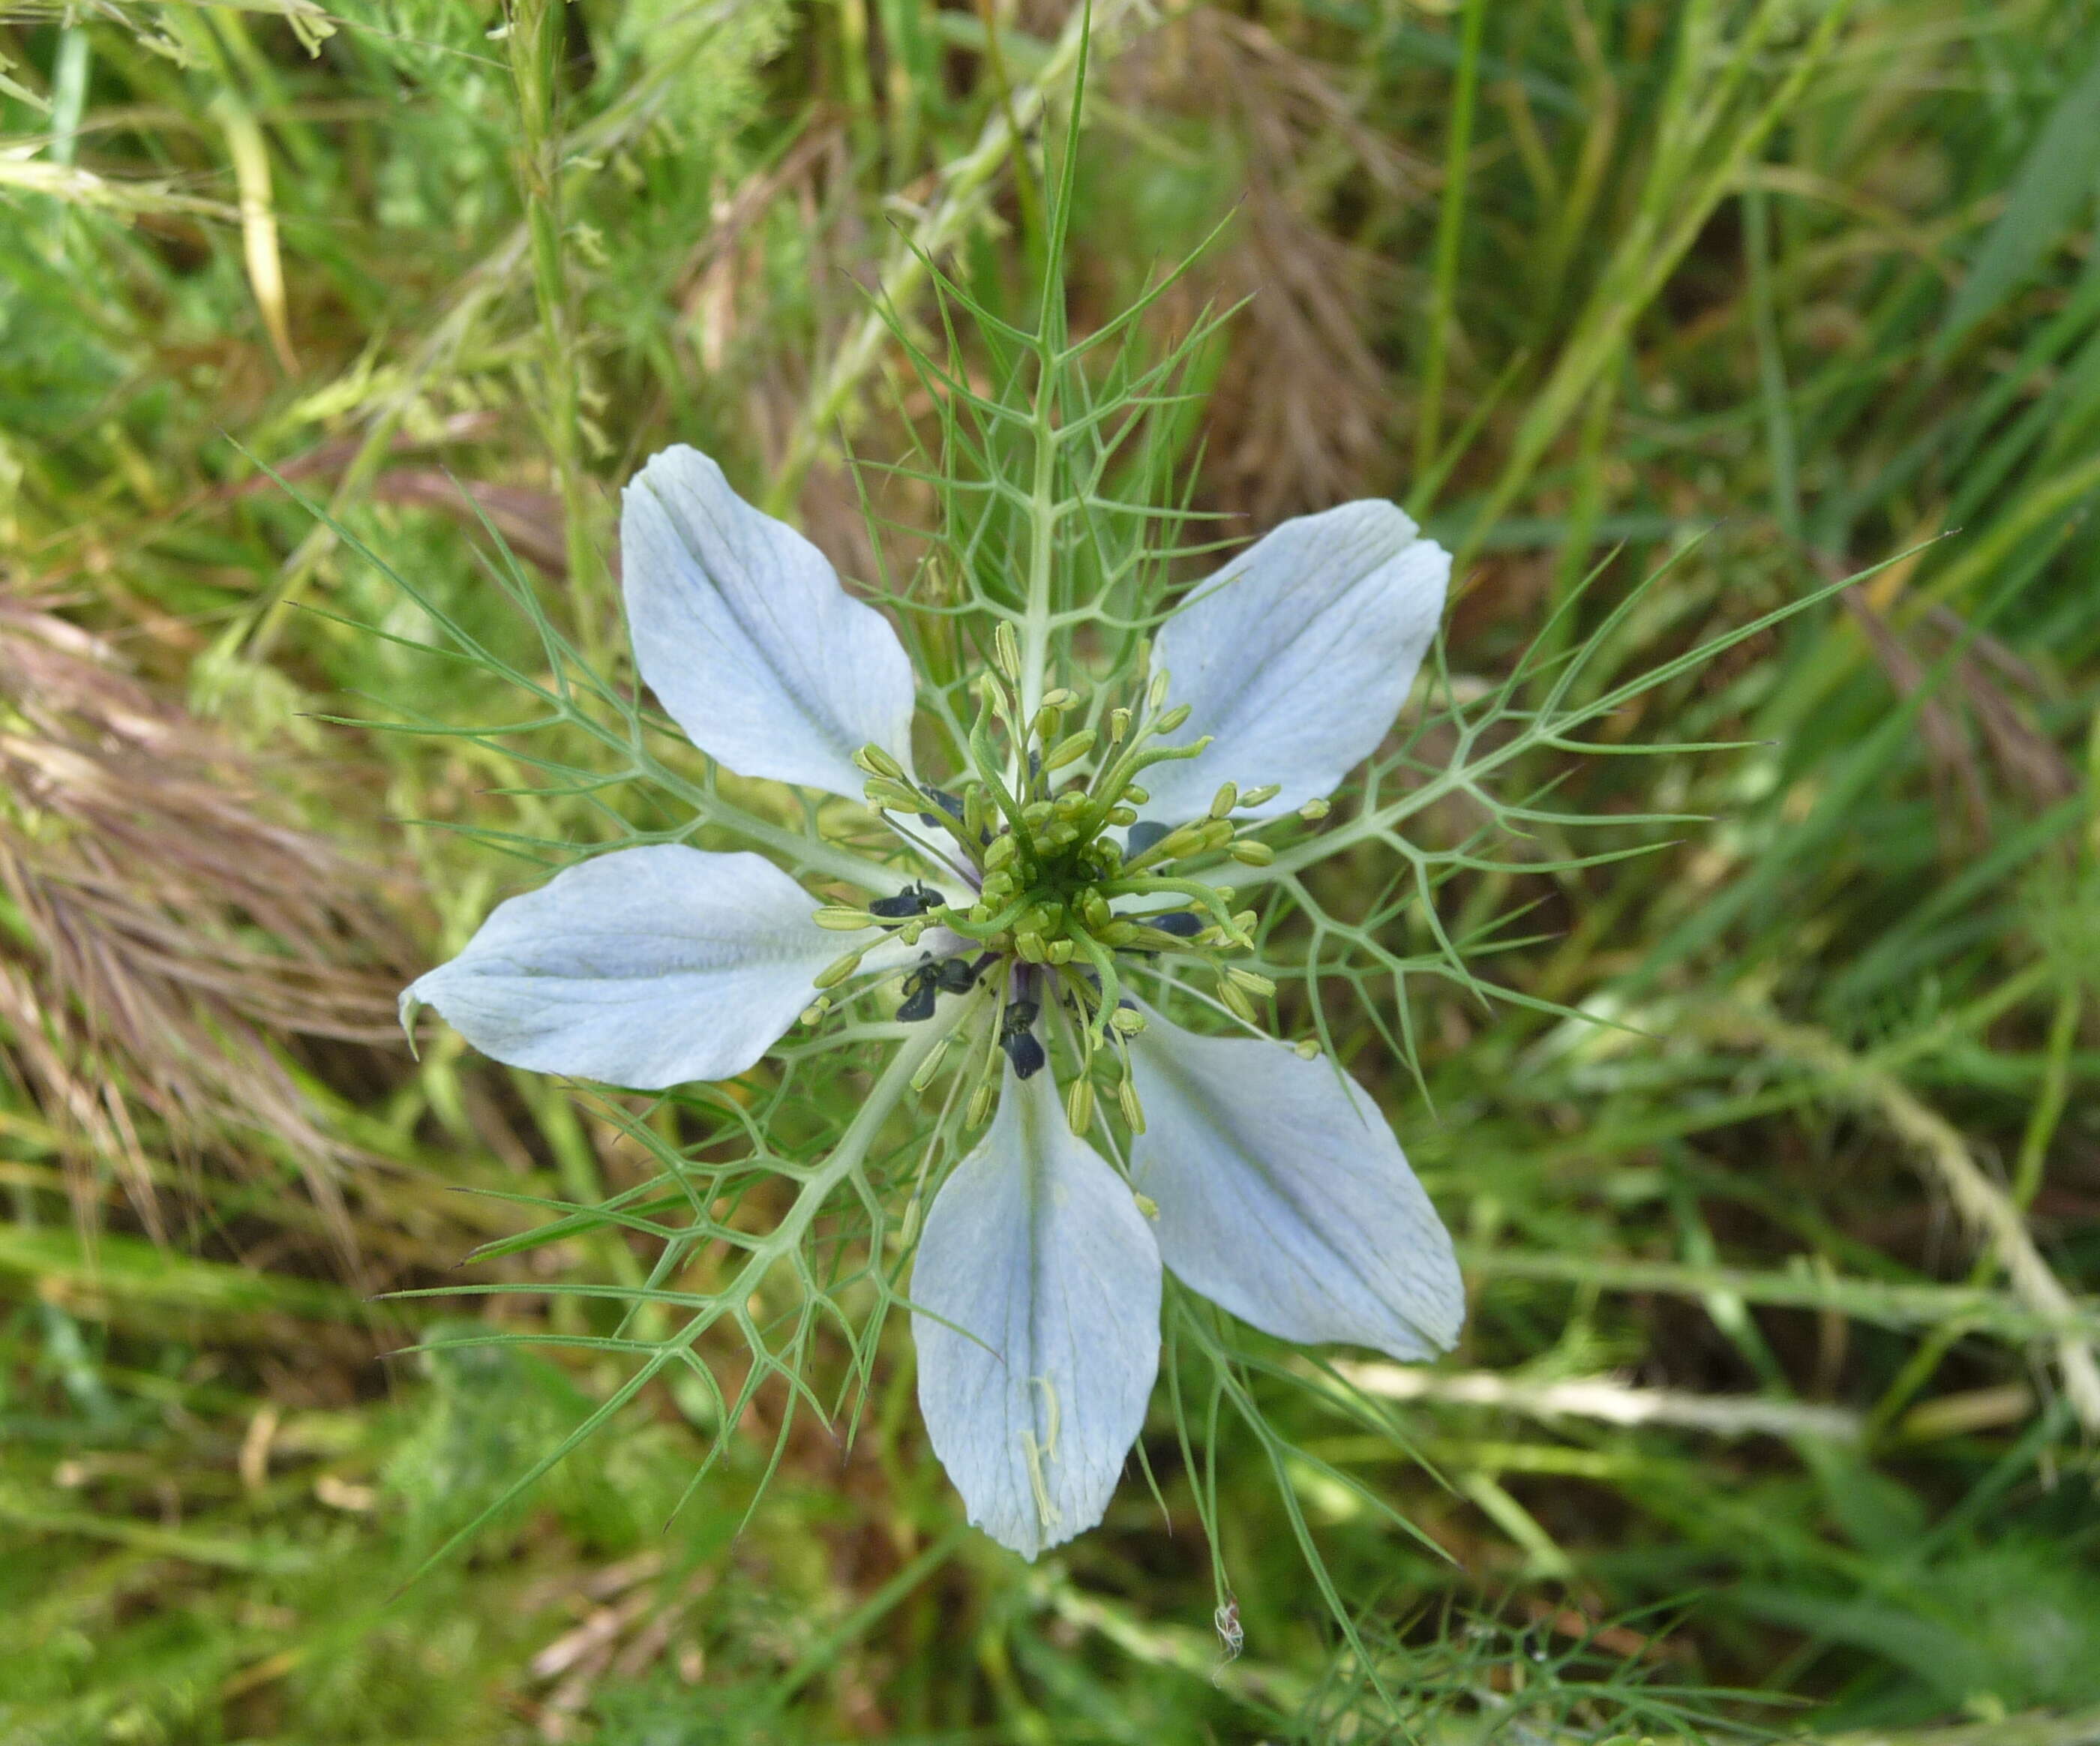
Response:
column 1122, row 815
column 1314, row 809
column 1307, row 1049
column 836, row 972
column 1136, row 796
column 1147, row 1205
column 1187, row 841
column 1128, row 1020
column 893, row 797
column 1173, row 718
column 1236, row 1002
column 1000, row 851
column 1119, row 724
column 1079, row 1106
column 1071, row 750
column 874, row 761
column 1260, row 796
column 814, row 1013
column 1046, row 1510
column 1060, row 698
column 1006, row 652
column 1252, row 854
column 1133, row 1111
column 979, row 1108
column 1032, row 947
column 841, row 919
column 930, row 1066
column 1156, row 693
column 1223, row 802
column 1254, row 983
column 1059, row 952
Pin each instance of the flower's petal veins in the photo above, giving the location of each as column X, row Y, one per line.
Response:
column 1036, row 1295
column 1296, row 656
column 1284, row 1197
column 647, row 966
column 743, row 632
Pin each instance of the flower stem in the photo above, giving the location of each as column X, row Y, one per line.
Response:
column 537, row 30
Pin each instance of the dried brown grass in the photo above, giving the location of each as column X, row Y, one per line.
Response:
column 1303, row 413
column 178, row 946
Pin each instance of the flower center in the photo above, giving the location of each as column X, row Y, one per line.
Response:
column 1070, row 887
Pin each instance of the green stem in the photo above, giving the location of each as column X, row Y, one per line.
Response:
column 847, row 1156
column 1675, row 208
column 1205, row 896
column 811, row 852
column 1042, row 545
column 1450, row 228
column 537, row 31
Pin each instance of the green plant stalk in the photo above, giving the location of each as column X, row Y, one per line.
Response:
column 966, row 191
column 1669, row 222
column 1042, row 518
column 1771, row 365
column 537, row 29
column 1450, row 231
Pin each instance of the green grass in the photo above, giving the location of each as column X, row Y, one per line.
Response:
column 1775, row 1408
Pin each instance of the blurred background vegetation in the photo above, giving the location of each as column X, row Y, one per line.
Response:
column 1776, row 1408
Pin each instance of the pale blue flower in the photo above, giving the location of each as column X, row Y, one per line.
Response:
column 1265, row 1180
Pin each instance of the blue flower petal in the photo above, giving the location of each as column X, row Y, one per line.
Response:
column 647, row 966
column 1284, row 1197
column 1036, row 1294
column 741, row 629
column 1296, row 656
